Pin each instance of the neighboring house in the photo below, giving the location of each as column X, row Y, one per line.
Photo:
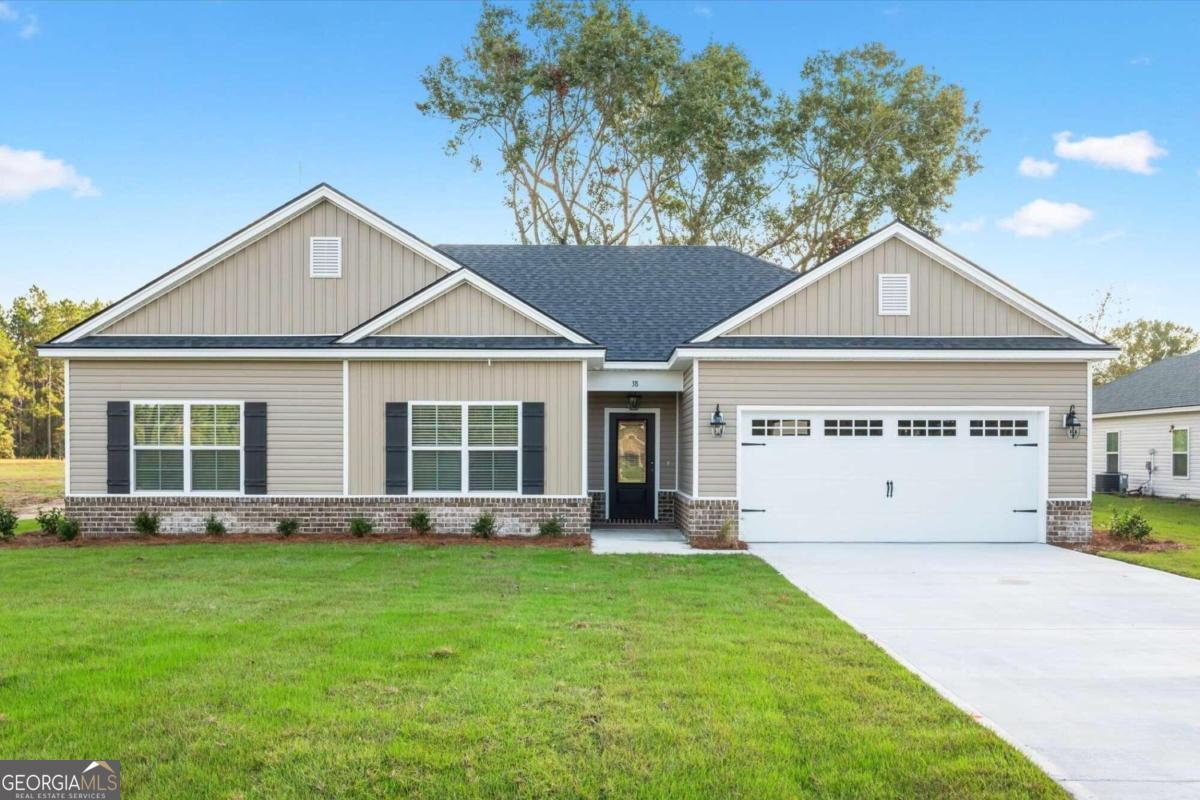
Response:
column 323, row 363
column 1145, row 427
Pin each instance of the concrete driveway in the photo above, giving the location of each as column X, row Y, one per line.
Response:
column 1090, row 666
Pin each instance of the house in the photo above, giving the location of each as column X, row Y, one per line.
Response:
column 323, row 362
column 1144, row 423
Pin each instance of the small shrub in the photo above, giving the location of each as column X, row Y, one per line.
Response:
column 1129, row 525
column 214, row 526
column 288, row 526
column 727, row 536
column 550, row 527
column 485, row 526
column 68, row 529
column 8, row 523
column 419, row 521
column 146, row 523
column 360, row 526
column 49, row 520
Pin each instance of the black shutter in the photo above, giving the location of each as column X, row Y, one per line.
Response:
column 395, row 433
column 533, row 448
column 118, row 447
column 254, row 421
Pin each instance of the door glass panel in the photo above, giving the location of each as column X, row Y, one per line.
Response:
column 631, row 451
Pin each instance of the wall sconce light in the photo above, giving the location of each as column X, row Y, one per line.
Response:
column 633, row 402
column 717, row 422
column 1071, row 422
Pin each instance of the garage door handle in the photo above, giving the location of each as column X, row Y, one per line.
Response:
column 754, row 444
column 1025, row 510
column 890, row 487
column 1026, row 444
column 754, row 511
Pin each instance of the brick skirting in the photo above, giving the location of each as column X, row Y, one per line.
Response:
column 515, row 516
column 1068, row 521
column 666, row 507
column 702, row 519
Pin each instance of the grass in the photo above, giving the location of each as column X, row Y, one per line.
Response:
column 1178, row 520
column 30, row 481
column 382, row 670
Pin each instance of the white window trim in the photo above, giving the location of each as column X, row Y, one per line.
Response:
column 187, row 448
column 312, row 243
column 465, row 448
column 1187, row 454
column 907, row 294
column 1116, row 452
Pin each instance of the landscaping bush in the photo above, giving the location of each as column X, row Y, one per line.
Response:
column 727, row 536
column 1129, row 525
column 419, row 521
column 146, row 523
column 485, row 526
column 49, row 520
column 550, row 527
column 214, row 526
column 8, row 523
column 288, row 526
column 68, row 529
column 360, row 526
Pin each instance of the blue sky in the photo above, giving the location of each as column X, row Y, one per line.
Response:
column 177, row 123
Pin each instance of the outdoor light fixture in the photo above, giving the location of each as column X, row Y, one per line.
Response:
column 1071, row 422
column 633, row 402
column 717, row 422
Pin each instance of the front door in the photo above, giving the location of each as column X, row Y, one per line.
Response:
column 631, row 467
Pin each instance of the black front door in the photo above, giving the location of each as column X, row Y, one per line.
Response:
column 631, row 467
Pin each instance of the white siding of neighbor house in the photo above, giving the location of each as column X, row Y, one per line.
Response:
column 1139, row 435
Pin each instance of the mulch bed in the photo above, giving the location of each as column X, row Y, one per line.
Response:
column 1102, row 541
column 433, row 539
column 708, row 543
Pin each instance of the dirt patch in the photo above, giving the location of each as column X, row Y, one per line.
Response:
column 436, row 540
column 1102, row 541
column 709, row 543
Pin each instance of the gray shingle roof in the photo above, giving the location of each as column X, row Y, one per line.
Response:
column 293, row 342
column 905, row 342
column 1169, row 383
column 639, row 302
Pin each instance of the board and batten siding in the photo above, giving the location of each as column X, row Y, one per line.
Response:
column 265, row 288
column 663, row 402
column 558, row 384
column 304, row 413
column 686, row 432
column 464, row 311
column 845, row 303
column 1139, row 435
column 1057, row 385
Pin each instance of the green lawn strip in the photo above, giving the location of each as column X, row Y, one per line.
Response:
column 373, row 669
column 30, row 481
column 1176, row 520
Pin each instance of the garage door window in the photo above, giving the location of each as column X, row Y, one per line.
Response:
column 1000, row 427
column 927, row 427
column 854, row 427
column 779, row 427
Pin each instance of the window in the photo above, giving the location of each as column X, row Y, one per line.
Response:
column 1112, row 452
column 779, row 427
column 894, row 297
column 927, row 427
column 854, row 427
column 325, row 257
column 187, row 447
column 1000, row 427
column 1180, row 467
column 486, row 459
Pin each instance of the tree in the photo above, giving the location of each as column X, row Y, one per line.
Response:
column 608, row 133
column 1143, row 342
column 9, row 388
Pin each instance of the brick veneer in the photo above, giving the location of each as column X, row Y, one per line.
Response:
column 1068, row 521
column 702, row 519
column 666, row 507
column 515, row 516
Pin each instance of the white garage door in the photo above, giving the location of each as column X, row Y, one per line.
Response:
column 924, row 475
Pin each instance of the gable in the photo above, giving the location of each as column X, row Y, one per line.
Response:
column 845, row 302
column 464, row 311
column 264, row 288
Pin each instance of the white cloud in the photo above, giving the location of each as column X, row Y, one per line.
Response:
column 25, row 172
column 31, row 28
column 703, row 11
column 28, row 22
column 8, row 13
column 1107, row 236
column 1140, row 61
column 1033, row 168
column 1043, row 218
column 967, row 226
column 1128, row 151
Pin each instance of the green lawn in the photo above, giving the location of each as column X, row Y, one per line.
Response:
column 1178, row 520
column 383, row 670
column 30, row 481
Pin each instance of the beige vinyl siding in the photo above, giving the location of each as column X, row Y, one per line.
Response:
column 265, row 288
column 845, row 303
column 664, row 402
column 304, row 413
column 1141, row 434
column 733, row 384
column 558, row 384
column 686, row 433
column 464, row 311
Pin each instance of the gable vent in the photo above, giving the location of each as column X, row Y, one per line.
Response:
column 894, row 297
column 325, row 257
